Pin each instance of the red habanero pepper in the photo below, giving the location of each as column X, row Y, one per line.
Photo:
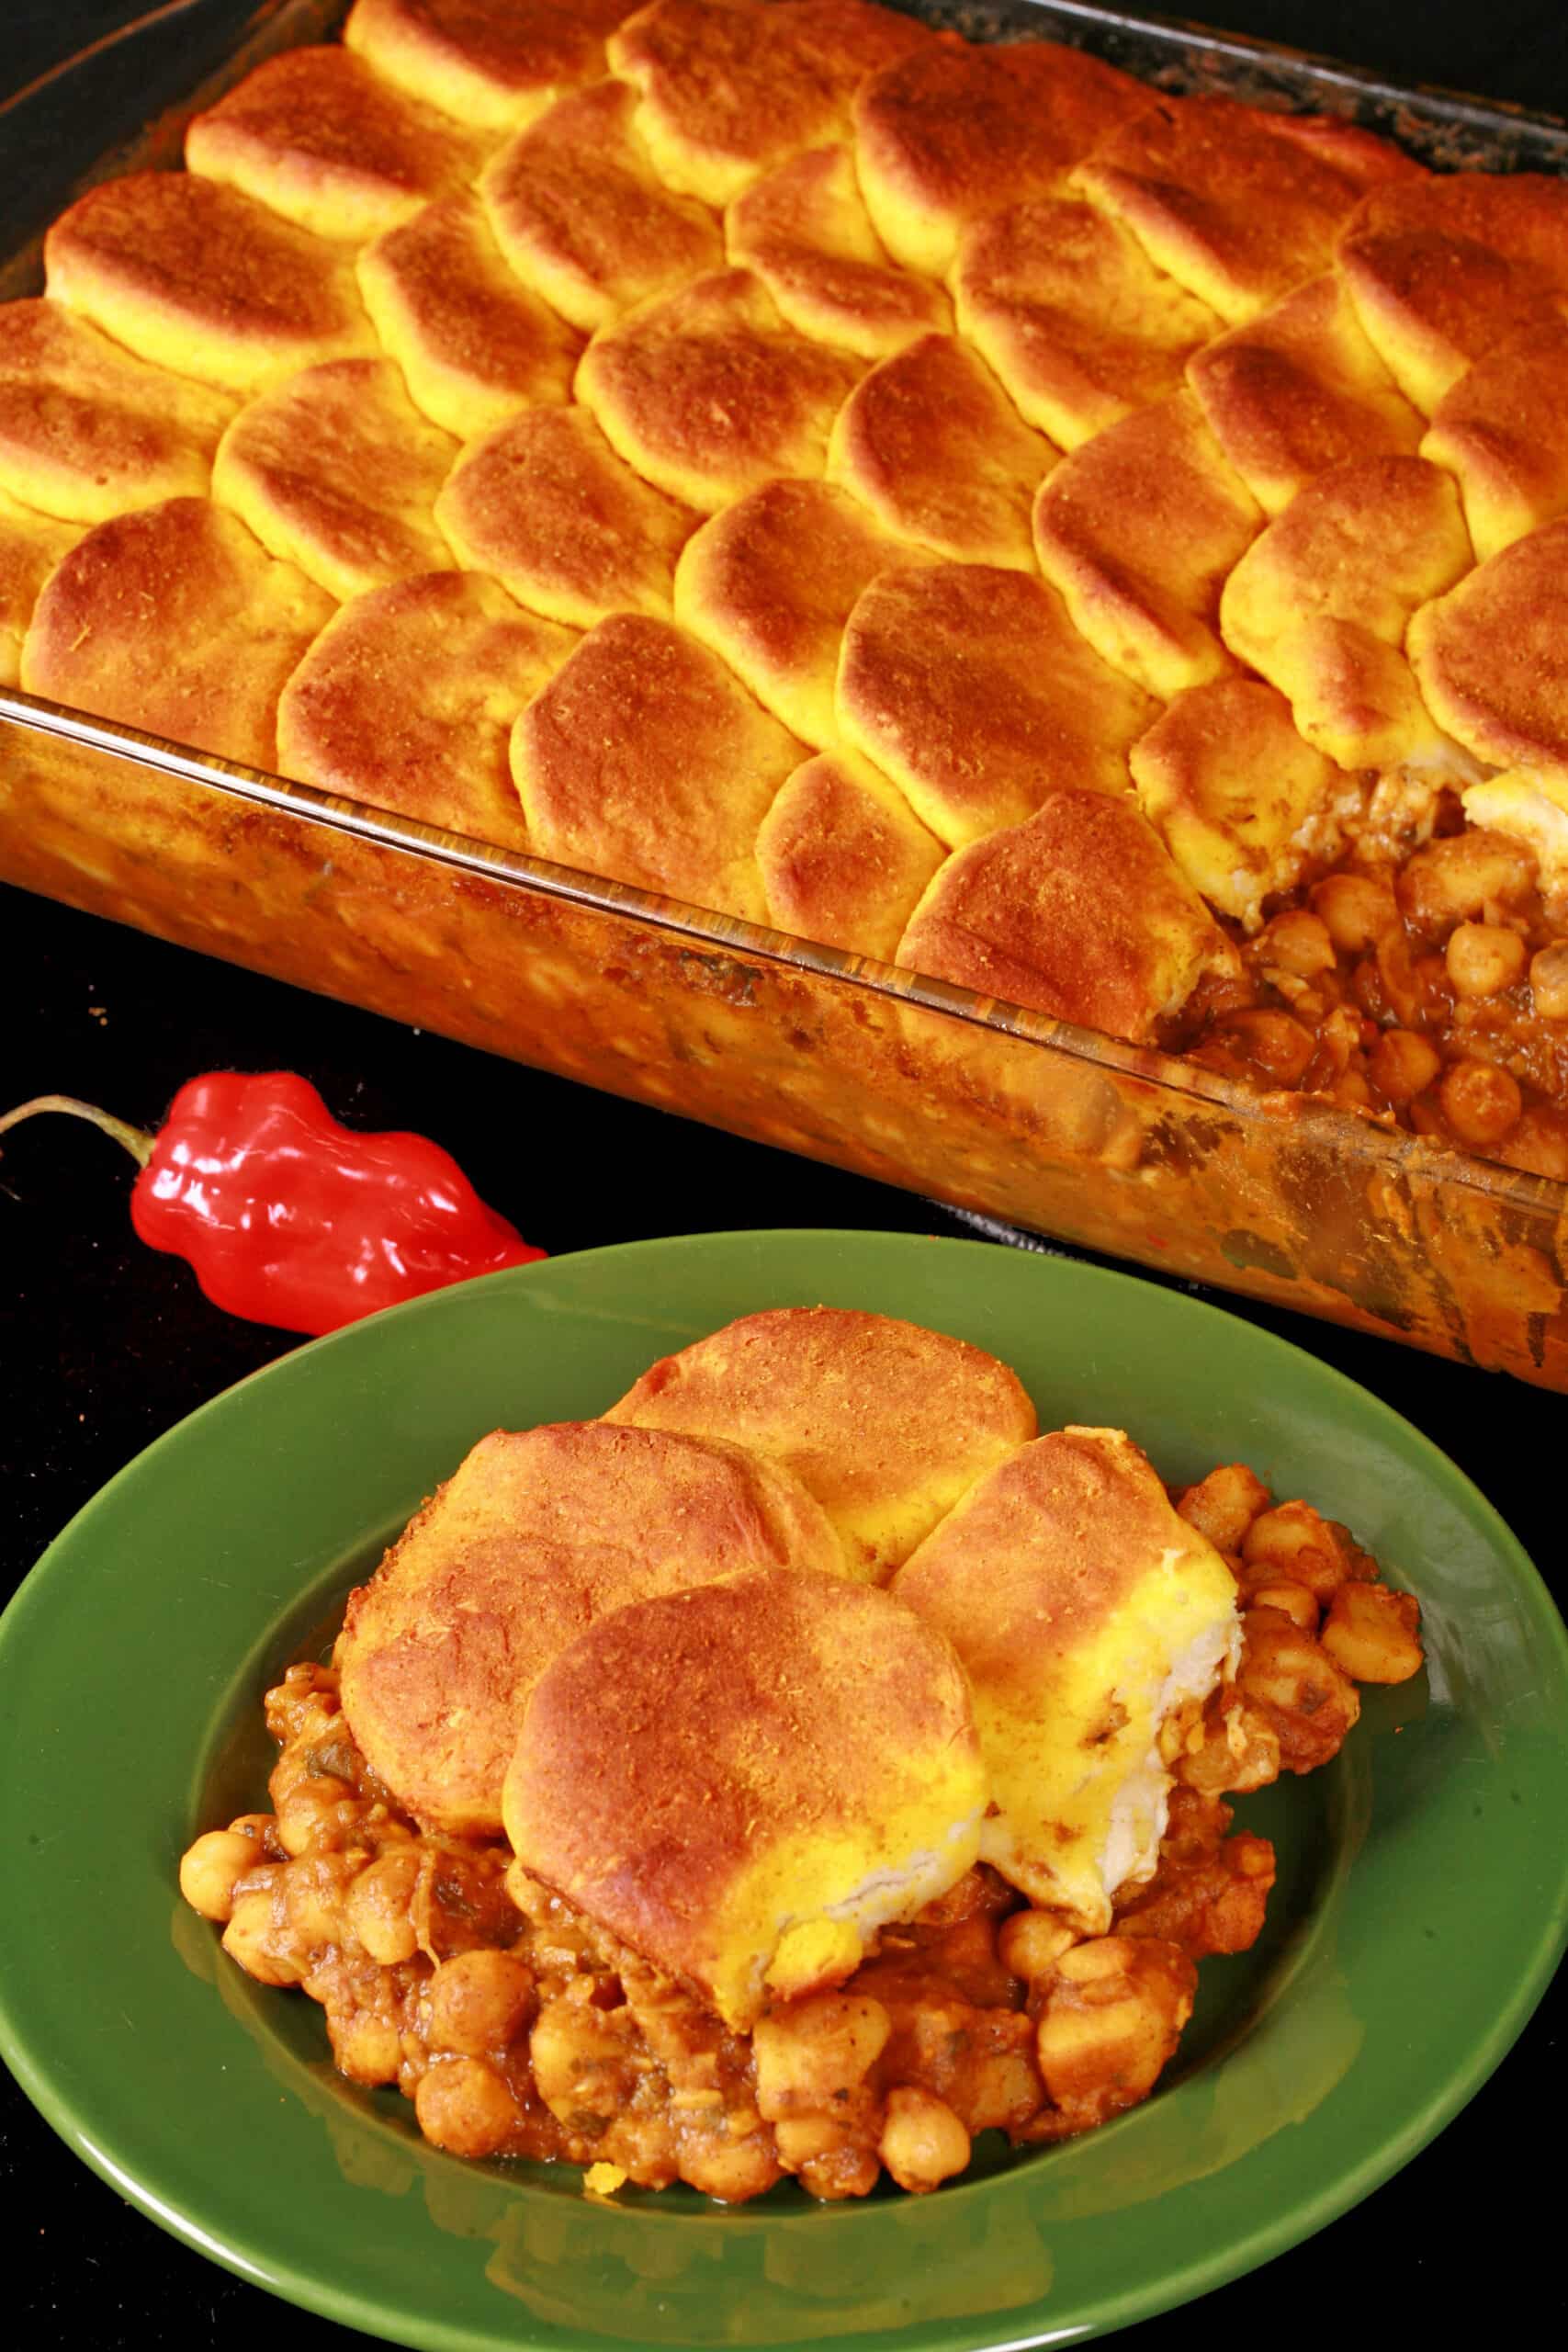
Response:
column 291, row 1219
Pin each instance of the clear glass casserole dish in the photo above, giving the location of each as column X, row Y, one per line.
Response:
column 915, row 1082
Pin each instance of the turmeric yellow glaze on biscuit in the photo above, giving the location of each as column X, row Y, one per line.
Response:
column 174, row 620
column 770, row 584
column 1237, row 205
column 970, row 687
column 1298, row 389
column 1086, row 1613
column 199, row 280
column 566, row 526
column 1079, row 913
column 805, row 233
column 742, row 1782
column 1137, row 530
column 337, row 471
column 1240, row 800
column 1502, row 432
column 87, row 431
column 956, row 132
column 407, row 699
column 708, row 394
column 930, row 443
column 491, row 63
column 886, row 1423
column 645, row 759
column 538, row 1533
column 318, row 137
column 1077, row 322
column 843, row 857
column 583, row 217
column 1489, row 657
column 30, row 547
column 474, row 344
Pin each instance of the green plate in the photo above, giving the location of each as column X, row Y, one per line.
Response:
column 132, row 1660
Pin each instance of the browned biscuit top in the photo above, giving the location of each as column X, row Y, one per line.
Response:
column 728, row 90
column 196, row 277
column 645, row 760
column 1079, row 913
column 30, row 547
column 407, row 699
column 843, row 857
column 479, row 60
column 174, row 620
column 1489, row 656
column 536, row 1535
column 886, row 1423
column 805, row 231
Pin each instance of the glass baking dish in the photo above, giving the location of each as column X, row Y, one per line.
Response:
column 914, row 1081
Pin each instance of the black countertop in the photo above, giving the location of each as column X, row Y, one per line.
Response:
column 105, row 1344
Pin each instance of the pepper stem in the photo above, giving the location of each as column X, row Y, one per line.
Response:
column 137, row 1140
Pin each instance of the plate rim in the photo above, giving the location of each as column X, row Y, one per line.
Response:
column 1177, row 2284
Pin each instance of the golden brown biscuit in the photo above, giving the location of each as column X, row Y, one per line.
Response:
column 1077, row 322
column 30, row 547
column 843, row 857
column 970, row 687
column 955, row 131
column 197, row 279
column 174, row 620
column 537, row 1533
column 581, row 216
column 1239, row 801
column 770, row 584
column 85, row 430
column 491, row 63
column 1237, row 205
column 807, row 235
column 1489, row 656
column 886, row 1423
column 1320, row 605
column 1444, row 268
column 930, row 443
column 1137, row 530
column 645, row 760
column 315, row 135
column 545, row 504
column 1502, row 432
column 726, row 90
column 1079, row 913
column 1300, row 389
column 474, row 345
column 337, row 471
column 744, row 1781
column 708, row 394
column 850, row 38
column 407, row 699
column 1086, row 1613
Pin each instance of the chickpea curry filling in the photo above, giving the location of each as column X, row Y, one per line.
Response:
column 801, row 1862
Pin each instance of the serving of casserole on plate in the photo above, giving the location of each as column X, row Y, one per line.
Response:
column 1408, row 1864
column 1094, row 550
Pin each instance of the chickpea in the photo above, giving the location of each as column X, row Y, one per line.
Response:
column 923, row 2143
column 731, row 2170
column 1483, row 958
column 210, row 1869
column 1371, row 1632
column 1224, row 1505
column 1481, row 1103
column 1549, row 981
column 1031, row 1942
column 253, row 1940
column 464, row 2108
column 377, row 1908
column 1293, row 1545
column 1292, row 1600
column 1114, row 2015
column 366, row 2048
column 308, row 1813
column 479, row 2001
column 1299, row 941
column 1277, row 1047
column 1288, row 1679
column 1237, row 1751
column 1403, row 1065
column 1355, row 910
column 1459, row 878
column 815, row 2049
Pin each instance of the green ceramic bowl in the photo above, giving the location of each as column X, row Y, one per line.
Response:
column 132, row 1660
